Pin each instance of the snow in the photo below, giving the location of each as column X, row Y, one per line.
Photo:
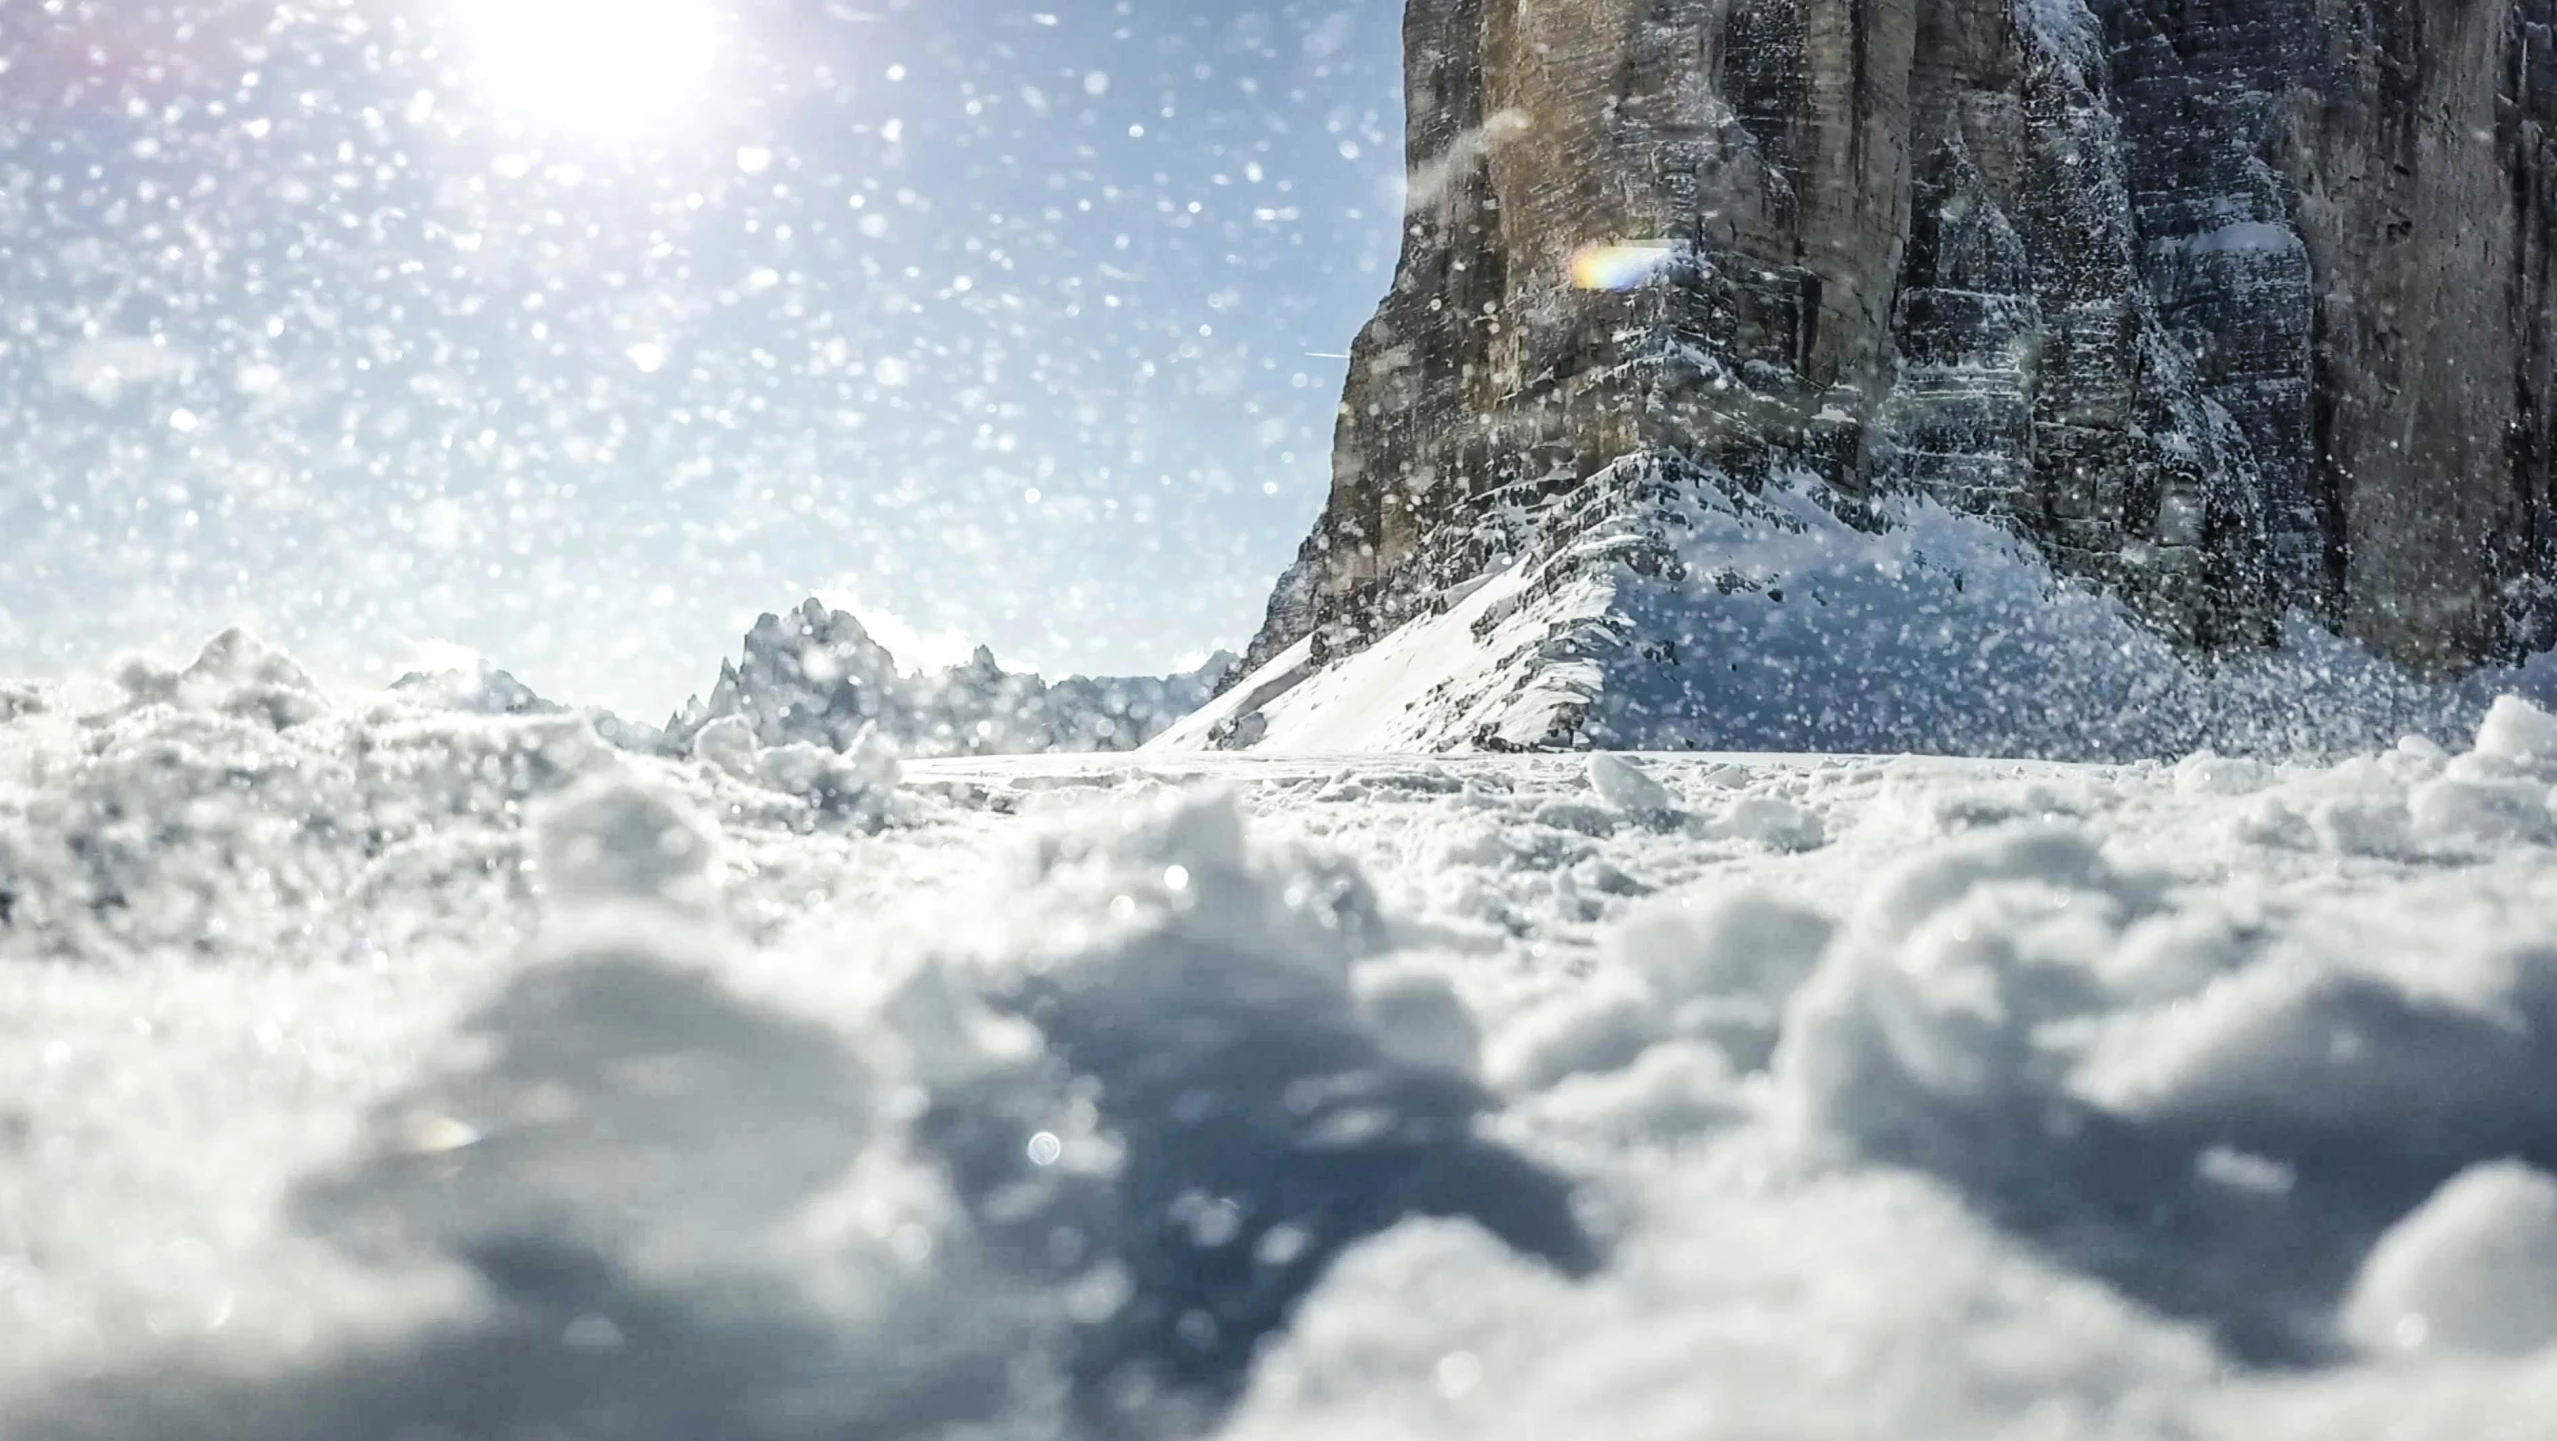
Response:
column 1413, row 690
column 2066, row 28
column 1763, row 621
column 1629, row 788
column 2246, row 235
column 2472, row 1269
column 371, row 1068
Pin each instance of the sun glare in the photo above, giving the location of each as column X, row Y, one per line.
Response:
column 602, row 67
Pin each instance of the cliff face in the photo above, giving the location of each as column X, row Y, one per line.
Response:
column 2231, row 307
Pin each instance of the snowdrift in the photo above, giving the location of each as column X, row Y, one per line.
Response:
column 1661, row 607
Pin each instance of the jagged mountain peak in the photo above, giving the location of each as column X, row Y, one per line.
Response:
column 816, row 675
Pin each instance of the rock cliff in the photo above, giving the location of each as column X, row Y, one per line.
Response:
column 2232, row 309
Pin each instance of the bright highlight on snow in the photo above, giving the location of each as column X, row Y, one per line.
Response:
column 1626, row 265
column 610, row 68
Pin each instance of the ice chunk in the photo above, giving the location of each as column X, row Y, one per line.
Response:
column 2518, row 732
column 1773, row 822
column 1629, row 788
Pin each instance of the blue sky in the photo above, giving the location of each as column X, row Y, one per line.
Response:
column 577, row 332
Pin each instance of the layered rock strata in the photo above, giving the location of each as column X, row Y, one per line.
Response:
column 2230, row 307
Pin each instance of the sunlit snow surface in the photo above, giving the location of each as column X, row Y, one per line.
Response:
column 372, row 1072
column 1764, row 621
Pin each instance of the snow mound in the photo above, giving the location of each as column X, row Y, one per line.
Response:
column 1061, row 1176
column 2472, row 1269
column 1661, row 607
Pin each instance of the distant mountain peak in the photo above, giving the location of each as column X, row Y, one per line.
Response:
column 816, row 675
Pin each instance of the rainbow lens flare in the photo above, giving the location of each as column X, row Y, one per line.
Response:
column 1624, row 264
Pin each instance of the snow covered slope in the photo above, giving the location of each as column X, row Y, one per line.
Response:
column 1660, row 606
column 382, row 1071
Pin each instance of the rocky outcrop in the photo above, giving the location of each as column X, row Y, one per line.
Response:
column 816, row 677
column 2232, row 308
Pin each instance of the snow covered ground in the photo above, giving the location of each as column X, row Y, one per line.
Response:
column 373, row 1071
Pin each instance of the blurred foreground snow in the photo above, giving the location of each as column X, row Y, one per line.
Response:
column 382, row 1071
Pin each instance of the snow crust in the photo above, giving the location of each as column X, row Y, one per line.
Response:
column 382, row 1070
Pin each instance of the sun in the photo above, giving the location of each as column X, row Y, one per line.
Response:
column 599, row 67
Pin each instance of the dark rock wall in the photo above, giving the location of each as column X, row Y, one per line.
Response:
column 2422, row 167
column 2233, row 306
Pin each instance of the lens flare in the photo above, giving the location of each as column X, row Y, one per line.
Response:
column 1623, row 265
column 599, row 67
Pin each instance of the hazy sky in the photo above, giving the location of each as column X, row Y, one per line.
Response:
column 577, row 332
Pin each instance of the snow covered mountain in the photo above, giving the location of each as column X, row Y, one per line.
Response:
column 816, row 677
column 2226, row 311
